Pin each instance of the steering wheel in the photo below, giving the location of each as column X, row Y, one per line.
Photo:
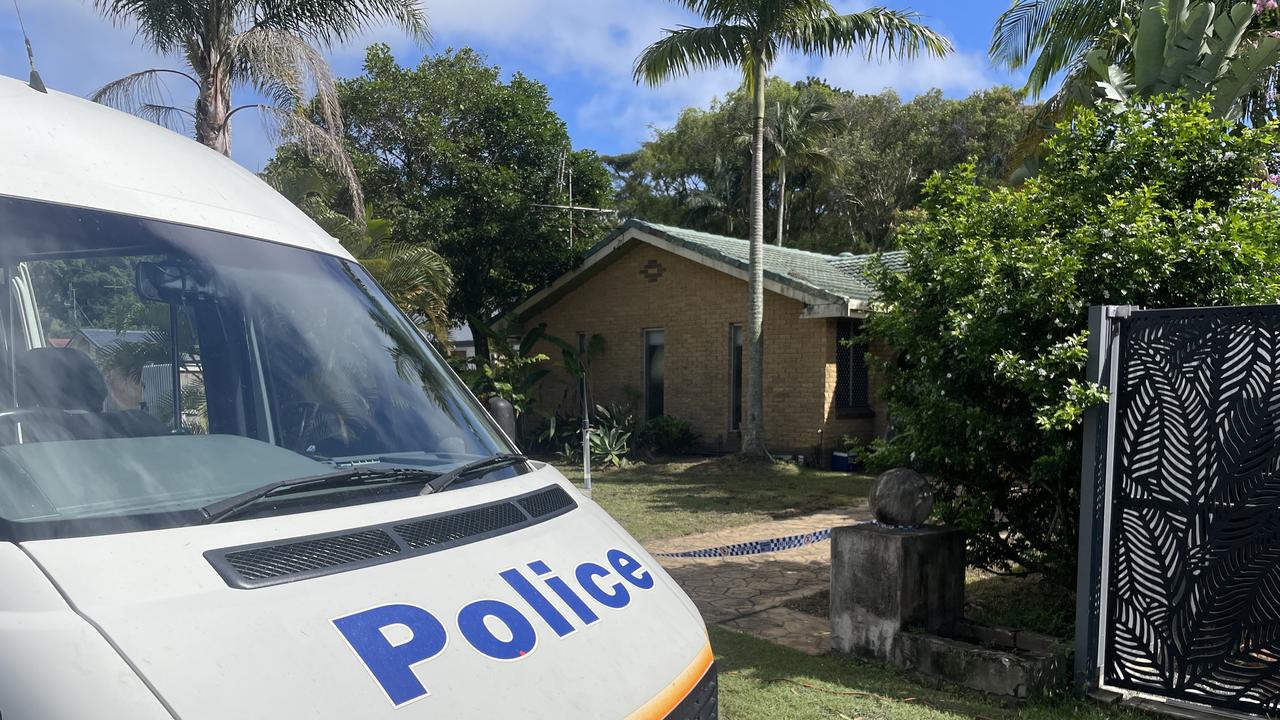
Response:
column 51, row 422
column 308, row 425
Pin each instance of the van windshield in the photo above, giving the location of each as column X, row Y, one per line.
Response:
column 149, row 369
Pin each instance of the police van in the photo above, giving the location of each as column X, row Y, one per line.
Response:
column 236, row 482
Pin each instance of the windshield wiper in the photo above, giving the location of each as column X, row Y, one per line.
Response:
column 489, row 464
column 221, row 510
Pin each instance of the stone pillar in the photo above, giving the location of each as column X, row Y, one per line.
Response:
column 885, row 580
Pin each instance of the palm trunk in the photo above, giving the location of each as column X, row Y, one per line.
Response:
column 753, row 425
column 213, row 108
column 782, row 197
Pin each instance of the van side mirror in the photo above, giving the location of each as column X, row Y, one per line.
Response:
column 172, row 283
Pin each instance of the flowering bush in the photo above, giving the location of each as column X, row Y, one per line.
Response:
column 1162, row 205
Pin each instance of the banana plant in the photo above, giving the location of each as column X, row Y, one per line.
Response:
column 1196, row 48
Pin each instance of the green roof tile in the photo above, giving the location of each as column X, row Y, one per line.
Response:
column 833, row 276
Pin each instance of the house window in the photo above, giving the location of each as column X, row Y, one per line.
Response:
column 735, row 377
column 853, row 392
column 654, row 373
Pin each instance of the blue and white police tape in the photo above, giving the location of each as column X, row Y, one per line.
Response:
column 755, row 547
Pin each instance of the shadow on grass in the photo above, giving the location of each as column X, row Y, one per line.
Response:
column 761, row 680
column 706, row 485
column 1023, row 603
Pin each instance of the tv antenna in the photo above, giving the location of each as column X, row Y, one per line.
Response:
column 36, row 83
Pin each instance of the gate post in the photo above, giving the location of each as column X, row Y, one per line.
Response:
column 1095, row 477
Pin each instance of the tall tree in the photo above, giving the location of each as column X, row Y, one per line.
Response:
column 267, row 45
column 797, row 131
column 469, row 164
column 749, row 35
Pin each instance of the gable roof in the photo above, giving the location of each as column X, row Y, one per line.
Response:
column 829, row 285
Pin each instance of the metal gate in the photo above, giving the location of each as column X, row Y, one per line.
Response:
column 1179, row 586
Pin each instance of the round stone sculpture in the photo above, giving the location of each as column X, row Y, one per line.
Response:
column 901, row 497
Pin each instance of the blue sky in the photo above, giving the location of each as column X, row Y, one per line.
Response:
column 582, row 50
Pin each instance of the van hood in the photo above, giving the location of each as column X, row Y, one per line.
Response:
column 479, row 629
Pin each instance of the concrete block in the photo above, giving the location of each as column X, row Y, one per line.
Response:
column 886, row 580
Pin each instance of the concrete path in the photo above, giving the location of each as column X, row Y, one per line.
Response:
column 747, row 593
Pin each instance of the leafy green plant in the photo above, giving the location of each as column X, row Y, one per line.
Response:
column 1163, row 205
column 609, row 446
column 510, row 372
column 666, row 435
column 611, row 433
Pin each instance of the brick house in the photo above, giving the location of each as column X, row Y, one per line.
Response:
column 671, row 303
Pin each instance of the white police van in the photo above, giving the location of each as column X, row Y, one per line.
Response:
column 235, row 482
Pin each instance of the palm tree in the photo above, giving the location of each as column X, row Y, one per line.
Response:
column 268, row 45
column 749, row 35
column 417, row 278
column 1112, row 51
column 1053, row 36
column 796, row 131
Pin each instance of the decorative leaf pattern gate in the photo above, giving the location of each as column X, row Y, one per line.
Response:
column 1183, row 584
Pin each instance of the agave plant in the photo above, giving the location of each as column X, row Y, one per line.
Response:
column 1195, row 48
column 1200, row 49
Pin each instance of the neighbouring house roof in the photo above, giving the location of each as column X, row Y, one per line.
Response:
column 102, row 339
column 829, row 285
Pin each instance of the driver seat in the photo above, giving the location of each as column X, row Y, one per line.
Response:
column 67, row 379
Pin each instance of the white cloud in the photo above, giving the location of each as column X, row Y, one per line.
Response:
column 586, row 45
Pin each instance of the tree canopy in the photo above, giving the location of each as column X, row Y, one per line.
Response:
column 464, row 161
column 1164, row 205
column 876, row 160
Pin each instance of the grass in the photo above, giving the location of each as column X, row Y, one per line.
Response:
column 763, row 681
column 663, row 500
column 1024, row 603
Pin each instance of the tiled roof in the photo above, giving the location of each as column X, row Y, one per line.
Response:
column 103, row 339
column 834, row 276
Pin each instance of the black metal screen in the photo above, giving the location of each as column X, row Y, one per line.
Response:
column 1191, row 587
column 852, row 386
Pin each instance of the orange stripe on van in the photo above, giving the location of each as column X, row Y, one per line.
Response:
column 675, row 693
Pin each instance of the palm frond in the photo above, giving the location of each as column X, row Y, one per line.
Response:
column 335, row 21
column 323, row 146
column 720, row 12
column 879, row 32
column 175, row 118
column 288, row 70
column 687, row 49
column 137, row 89
column 164, row 23
column 1052, row 35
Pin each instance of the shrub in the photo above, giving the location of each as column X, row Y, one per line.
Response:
column 1159, row 206
column 611, row 431
column 665, row 435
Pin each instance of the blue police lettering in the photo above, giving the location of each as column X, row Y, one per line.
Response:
column 471, row 621
column 565, row 593
column 548, row 612
column 627, row 567
column 392, row 664
column 587, row 574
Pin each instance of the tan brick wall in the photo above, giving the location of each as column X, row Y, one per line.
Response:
column 695, row 306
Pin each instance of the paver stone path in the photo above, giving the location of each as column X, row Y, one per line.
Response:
column 747, row 593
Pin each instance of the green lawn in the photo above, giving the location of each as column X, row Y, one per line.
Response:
column 1023, row 603
column 662, row 500
column 763, row 681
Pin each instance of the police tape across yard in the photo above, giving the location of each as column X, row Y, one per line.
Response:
column 755, row 547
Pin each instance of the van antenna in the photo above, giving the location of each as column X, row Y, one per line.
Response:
column 36, row 83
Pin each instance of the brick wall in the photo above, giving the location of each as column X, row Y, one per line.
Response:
column 643, row 287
